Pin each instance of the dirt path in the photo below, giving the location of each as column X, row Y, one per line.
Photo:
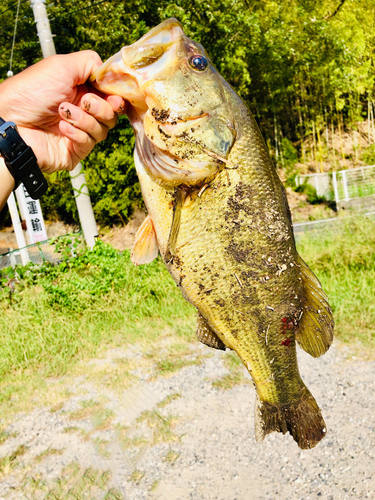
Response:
column 183, row 436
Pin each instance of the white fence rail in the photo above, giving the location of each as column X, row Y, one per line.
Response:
column 343, row 185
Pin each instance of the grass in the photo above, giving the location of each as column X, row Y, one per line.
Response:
column 151, row 427
column 235, row 375
column 58, row 316
column 63, row 312
column 99, row 417
column 75, row 483
column 344, row 261
column 171, row 457
column 48, row 452
column 9, row 462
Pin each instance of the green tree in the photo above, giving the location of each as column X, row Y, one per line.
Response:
column 299, row 64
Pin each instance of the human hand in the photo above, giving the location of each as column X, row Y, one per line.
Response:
column 55, row 111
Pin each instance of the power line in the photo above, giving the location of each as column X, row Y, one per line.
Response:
column 14, row 39
column 62, row 15
column 79, row 10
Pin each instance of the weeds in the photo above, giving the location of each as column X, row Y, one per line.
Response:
column 61, row 314
column 171, row 457
column 75, row 483
column 8, row 462
column 136, row 476
column 6, row 435
column 235, row 377
column 168, row 399
column 48, row 452
column 344, row 262
column 162, row 426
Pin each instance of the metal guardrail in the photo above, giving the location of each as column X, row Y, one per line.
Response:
column 344, row 185
column 317, row 225
column 45, row 251
column 38, row 253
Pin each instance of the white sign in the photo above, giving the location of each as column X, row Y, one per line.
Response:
column 31, row 212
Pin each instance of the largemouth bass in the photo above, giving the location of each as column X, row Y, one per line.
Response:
column 218, row 215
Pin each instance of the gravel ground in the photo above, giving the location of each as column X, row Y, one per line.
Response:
column 197, row 444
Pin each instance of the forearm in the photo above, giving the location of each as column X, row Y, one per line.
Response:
column 6, row 183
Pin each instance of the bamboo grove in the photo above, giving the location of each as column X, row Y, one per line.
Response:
column 305, row 68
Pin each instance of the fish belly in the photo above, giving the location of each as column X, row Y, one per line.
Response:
column 230, row 271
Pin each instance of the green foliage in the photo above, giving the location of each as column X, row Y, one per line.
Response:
column 59, row 312
column 295, row 63
column 63, row 313
column 310, row 191
column 290, row 158
column 344, row 262
column 368, row 155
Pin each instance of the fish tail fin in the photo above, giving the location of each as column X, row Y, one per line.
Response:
column 315, row 329
column 302, row 419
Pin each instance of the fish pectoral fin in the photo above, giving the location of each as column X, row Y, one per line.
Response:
column 145, row 248
column 180, row 196
column 206, row 335
column 315, row 329
column 302, row 418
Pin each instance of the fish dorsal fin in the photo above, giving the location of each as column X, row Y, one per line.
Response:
column 145, row 248
column 315, row 330
column 206, row 335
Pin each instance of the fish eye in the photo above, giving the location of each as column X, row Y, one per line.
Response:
column 198, row 62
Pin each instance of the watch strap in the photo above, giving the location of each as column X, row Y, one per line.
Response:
column 21, row 160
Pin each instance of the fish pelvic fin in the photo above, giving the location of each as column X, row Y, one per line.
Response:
column 315, row 329
column 145, row 248
column 302, row 419
column 206, row 335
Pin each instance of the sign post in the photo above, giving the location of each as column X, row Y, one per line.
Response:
column 31, row 212
column 18, row 229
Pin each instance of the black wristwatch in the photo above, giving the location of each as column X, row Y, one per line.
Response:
column 21, row 160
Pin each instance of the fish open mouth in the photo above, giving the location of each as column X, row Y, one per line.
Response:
column 180, row 136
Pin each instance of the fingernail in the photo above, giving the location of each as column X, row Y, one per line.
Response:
column 91, row 106
column 122, row 106
column 118, row 103
column 71, row 113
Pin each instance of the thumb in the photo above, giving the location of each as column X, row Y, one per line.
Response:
column 81, row 65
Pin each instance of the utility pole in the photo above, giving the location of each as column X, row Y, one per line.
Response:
column 77, row 177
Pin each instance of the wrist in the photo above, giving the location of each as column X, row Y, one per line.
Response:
column 6, row 183
column 20, row 160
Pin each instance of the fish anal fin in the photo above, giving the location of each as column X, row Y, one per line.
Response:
column 207, row 336
column 145, row 248
column 315, row 328
column 302, row 419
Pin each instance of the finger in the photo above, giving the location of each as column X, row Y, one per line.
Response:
column 118, row 104
column 100, row 109
column 83, row 121
column 82, row 65
column 81, row 143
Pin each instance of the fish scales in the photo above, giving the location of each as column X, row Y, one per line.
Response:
column 218, row 214
column 237, row 313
